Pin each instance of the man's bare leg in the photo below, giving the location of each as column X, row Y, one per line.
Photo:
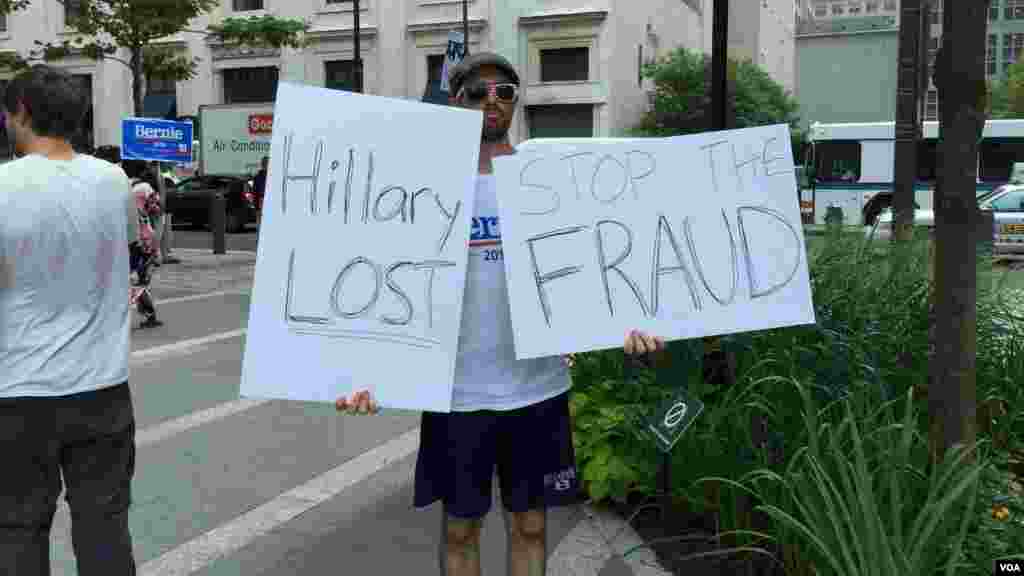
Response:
column 527, row 542
column 460, row 546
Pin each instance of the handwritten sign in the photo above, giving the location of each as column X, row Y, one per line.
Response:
column 682, row 237
column 362, row 254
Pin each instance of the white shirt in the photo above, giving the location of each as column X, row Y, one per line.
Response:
column 487, row 374
column 64, row 317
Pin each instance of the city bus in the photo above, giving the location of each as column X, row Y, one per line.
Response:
column 851, row 166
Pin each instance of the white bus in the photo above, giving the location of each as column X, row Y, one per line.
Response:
column 852, row 166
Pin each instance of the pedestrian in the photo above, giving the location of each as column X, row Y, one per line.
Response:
column 65, row 405
column 260, row 187
column 144, row 248
column 508, row 414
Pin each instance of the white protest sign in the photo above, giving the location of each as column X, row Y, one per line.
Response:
column 682, row 237
column 362, row 253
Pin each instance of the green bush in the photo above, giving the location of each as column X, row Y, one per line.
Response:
column 871, row 344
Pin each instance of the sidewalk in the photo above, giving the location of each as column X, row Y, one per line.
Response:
column 201, row 271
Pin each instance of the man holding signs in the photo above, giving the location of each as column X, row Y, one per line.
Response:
column 509, row 414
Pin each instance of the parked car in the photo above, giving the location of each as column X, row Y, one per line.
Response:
column 192, row 198
column 1006, row 204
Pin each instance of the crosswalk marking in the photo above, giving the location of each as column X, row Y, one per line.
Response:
column 236, row 534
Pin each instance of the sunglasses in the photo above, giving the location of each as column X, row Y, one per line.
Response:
column 476, row 92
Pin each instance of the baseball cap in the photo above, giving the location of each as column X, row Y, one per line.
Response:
column 473, row 62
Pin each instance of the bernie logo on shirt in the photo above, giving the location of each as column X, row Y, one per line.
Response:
column 485, row 231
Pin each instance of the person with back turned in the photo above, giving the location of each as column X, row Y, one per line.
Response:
column 65, row 406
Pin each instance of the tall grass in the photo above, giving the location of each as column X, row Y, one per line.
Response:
column 843, row 474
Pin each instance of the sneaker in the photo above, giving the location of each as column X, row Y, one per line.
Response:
column 151, row 322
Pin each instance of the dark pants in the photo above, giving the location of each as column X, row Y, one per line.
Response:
column 90, row 439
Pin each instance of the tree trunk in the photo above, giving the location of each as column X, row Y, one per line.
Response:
column 138, row 79
column 908, row 125
column 960, row 80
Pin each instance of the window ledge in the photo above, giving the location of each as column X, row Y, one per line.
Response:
column 247, row 13
column 340, row 8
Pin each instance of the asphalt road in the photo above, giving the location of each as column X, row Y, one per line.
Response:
column 187, row 236
column 235, row 486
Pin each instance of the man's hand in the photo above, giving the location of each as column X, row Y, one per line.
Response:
column 359, row 403
column 643, row 347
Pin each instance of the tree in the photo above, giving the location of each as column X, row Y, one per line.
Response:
column 107, row 28
column 682, row 97
column 960, row 79
column 1006, row 98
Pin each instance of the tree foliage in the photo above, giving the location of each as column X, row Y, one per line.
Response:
column 1006, row 96
column 682, row 97
column 105, row 28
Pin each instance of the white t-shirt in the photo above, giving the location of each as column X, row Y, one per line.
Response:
column 64, row 317
column 487, row 374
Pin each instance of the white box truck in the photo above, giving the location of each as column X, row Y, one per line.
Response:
column 234, row 138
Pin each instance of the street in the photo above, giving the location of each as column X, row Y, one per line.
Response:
column 225, row 485
column 187, row 236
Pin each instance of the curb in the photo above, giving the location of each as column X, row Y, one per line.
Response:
column 209, row 252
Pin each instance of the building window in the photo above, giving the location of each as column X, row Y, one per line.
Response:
column 820, row 10
column 991, row 50
column 435, row 67
column 246, row 5
column 242, row 85
column 931, row 105
column 72, row 11
column 1014, row 10
column 838, row 161
column 871, row 7
column 996, row 159
column 340, row 75
column 854, row 8
column 993, row 10
column 890, row 6
column 565, row 64
column 838, row 9
column 3, row 22
column 158, row 85
column 927, row 165
column 1012, row 46
column 561, row 121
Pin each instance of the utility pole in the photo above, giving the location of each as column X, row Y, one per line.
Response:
column 719, row 64
column 465, row 28
column 911, row 82
column 358, row 63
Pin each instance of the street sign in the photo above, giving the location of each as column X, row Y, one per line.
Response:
column 156, row 140
column 455, row 53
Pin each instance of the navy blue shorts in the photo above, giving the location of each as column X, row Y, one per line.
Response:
column 530, row 447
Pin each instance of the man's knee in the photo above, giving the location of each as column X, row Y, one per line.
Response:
column 527, row 526
column 462, row 533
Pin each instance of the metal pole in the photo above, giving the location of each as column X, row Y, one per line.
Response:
column 465, row 27
column 719, row 64
column 356, row 48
